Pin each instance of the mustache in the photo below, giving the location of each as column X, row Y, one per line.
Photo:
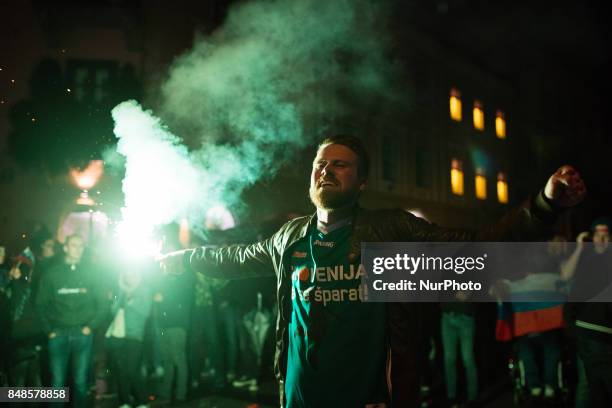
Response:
column 328, row 179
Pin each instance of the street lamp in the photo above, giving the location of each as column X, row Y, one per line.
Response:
column 85, row 180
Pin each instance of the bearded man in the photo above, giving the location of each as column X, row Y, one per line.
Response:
column 332, row 348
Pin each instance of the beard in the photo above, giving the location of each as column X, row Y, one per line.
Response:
column 332, row 200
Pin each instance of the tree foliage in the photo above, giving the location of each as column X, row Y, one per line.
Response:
column 65, row 121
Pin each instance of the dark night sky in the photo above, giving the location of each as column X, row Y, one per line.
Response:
column 566, row 43
column 555, row 53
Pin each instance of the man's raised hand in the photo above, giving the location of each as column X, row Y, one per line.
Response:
column 565, row 187
column 172, row 262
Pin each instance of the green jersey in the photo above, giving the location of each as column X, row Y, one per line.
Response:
column 337, row 353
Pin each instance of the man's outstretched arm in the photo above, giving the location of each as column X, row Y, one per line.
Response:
column 231, row 262
column 234, row 261
column 529, row 221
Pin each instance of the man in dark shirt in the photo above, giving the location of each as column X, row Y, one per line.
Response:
column 70, row 305
column 592, row 317
column 26, row 341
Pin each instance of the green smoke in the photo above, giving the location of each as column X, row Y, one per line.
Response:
column 244, row 96
column 272, row 65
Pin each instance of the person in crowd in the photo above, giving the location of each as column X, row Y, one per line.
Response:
column 536, row 302
column 229, row 320
column 318, row 360
column 204, row 342
column 458, row 327
column 130, row 309
column 153, row 353
column 591, row 270
column 173, row 303
column 152, row 366
column 26, row 340
column 3, row 268
column 4, row 311
column 70, row 306
column 581, row 392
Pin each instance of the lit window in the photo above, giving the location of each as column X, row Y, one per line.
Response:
column 481, row 184
column 455, row 105
column 478, row 116
column 456, row 177
column 500, row 125
column 502, row 188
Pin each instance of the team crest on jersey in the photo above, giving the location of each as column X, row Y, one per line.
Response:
column 303, row 274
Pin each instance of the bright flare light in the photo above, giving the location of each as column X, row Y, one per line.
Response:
column 136, row 242
column 86, row 179
column 160, row 184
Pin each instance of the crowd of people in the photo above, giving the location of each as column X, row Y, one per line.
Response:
column 69, row 318
column 76, row 318
column 133, row 330
column 561, row 335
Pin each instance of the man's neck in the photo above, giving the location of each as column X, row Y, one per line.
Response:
column 329, row 217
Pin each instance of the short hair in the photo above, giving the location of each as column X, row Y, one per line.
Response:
column 601, row 221
column 38, row 238
column 357, row 146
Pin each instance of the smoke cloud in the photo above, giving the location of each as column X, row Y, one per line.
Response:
column 244, row 98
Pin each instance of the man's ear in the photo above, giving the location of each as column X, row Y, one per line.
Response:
column 363, row 184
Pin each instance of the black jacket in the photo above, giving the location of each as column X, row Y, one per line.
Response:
column 592, row 316
column 272, row 256
column 174, row 311
column 70, row 298
column 23, row 292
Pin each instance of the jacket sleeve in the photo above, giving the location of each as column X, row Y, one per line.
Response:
column 235, row 261
column 529, row 222
column 43, row 298
column 102, row 305
column 140, row 304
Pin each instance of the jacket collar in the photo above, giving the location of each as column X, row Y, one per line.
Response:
column 359, row 218
column 312, row 220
